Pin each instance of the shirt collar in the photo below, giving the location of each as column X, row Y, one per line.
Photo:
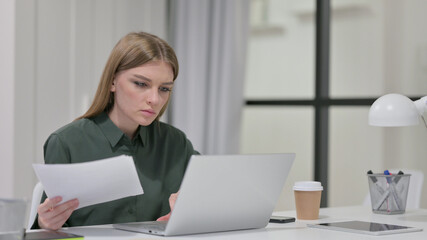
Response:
column 113, row 133
column 142, row 134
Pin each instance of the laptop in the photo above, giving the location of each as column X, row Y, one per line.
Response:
column 223, row 193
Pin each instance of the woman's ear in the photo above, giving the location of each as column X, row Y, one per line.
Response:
column 113, row 86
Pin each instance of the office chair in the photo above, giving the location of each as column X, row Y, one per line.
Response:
column 35, row 202
column 415, row 189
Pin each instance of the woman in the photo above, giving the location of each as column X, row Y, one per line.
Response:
column 132, row 95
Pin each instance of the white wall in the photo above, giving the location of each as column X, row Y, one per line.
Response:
column 60, row 48
column 7, row 56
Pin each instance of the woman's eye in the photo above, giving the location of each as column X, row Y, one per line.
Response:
column 165, row 89
column 140, row 84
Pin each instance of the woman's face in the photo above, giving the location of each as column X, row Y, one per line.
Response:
column 140, row 93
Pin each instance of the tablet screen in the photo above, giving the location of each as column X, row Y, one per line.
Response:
column 371, row 228
column 365, row 226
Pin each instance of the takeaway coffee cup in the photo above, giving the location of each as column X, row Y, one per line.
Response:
column 307, row 199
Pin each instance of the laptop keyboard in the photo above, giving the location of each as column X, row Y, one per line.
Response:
column 156, row 225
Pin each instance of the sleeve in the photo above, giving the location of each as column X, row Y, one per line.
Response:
column 54, row 152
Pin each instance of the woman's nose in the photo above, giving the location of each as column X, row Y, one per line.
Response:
column 153, row 96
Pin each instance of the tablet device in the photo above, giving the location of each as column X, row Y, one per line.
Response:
column 371, row 228
column 54, row 235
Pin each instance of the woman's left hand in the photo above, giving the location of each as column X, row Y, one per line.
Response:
column 172, row 200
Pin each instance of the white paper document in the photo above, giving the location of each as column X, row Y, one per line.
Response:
column 90, row 182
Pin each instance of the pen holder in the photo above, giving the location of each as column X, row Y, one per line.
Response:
column 388, row 193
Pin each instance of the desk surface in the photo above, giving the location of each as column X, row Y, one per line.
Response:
column 297, row 230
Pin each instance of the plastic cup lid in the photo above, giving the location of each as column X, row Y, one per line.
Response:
column 308, row 186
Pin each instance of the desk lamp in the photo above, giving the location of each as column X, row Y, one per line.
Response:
column 395, row 110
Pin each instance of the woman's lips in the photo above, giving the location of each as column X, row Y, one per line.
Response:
column 148, row 112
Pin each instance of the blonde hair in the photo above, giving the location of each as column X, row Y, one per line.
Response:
column 133, row 50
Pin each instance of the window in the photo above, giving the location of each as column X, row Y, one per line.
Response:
column 318, row 108
column 280, row 67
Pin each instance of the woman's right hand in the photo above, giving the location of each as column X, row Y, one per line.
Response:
column 53, row 216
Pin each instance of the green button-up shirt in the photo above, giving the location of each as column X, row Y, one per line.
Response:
column 160, row 152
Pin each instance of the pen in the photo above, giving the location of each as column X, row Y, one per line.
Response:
column 386, row 172
column 384, row 194
column 398, row 187
column 397, row 179
column 375, row 181
column 392, row 189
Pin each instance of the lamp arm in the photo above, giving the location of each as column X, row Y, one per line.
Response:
column 421, row 105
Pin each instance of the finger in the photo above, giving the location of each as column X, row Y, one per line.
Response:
column 59, row 220
column 55, row 219
column 71, row 204
column 53, row 212
column 172, row 200
column 49, row 204
column 164, row 218
column 46, row 217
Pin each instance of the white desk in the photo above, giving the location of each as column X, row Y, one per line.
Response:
column 297, row 230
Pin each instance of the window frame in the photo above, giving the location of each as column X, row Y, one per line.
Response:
column 322, row 101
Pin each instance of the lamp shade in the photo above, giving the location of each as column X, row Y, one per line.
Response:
column 393, row 110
